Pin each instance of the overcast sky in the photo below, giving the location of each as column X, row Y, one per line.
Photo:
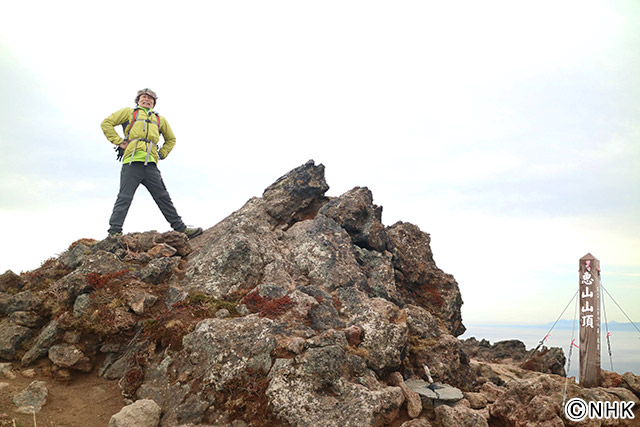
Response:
column 507, row 130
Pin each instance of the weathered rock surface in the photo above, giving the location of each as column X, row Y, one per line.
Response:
column 10, row 283
column 547, row 360
column 298, row 309
column 143, row 413
column 69, row 356
column 32, row 399
column 11, row 338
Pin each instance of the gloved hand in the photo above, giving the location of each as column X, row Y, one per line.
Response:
column 119, row 153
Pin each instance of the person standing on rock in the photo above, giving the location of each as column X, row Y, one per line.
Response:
column 140, row 153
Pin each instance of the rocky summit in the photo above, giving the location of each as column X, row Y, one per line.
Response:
column 298, row 309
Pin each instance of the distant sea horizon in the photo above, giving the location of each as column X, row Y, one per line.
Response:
column 624, row 339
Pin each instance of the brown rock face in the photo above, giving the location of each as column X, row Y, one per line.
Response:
column 421, row 281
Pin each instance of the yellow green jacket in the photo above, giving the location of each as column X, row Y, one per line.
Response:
column 144, row 134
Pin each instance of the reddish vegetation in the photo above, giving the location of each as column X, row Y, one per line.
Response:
column 87, row 242
column 244, row 396
column 268, row 307
column 50, row 271
column 98, row 281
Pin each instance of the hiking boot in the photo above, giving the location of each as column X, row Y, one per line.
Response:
column 192, row 232
column 115, row 234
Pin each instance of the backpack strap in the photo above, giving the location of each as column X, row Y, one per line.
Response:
column 127, row 123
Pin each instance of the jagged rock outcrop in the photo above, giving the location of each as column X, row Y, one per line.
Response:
column 297, row 309
column 547, row 360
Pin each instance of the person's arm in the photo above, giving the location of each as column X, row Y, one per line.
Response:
column 108, row 126
column 169, row 138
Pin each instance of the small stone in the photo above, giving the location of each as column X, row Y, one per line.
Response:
column 141, row 302
column 446, row 393
column 223, row 313
column 476, row 400
column 26, row 318
column 414, row 403
column 354, row 335
column 296, row 345
column 69, row 356
column 60, row 374
column 142, row 413
column 81, row 304
column 32, row 399
column 162, row 251
column 28, row 373
column 72, row 337
column 491, row 391
column 6, row 369
column 422, row 388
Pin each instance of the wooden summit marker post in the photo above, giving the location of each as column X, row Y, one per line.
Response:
column 589, row 321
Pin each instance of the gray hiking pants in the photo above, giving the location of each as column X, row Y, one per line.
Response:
column 131, row 176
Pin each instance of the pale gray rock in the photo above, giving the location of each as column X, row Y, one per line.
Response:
column 446, row 393
column 102, row 262
column 98, row 261
column 142, row 413
column 237, row 254
column 69, row 356
column 422, row 388
column 419, row 422
column 383, row 326
column 158, row 387
column 81, row 304
column 380, row 275
column 322, row 252
column 158, row 269
column 32, row 399
column 75, row 256
column 40, row 347
column 228, row 347
column 296, row 393
column 192, row 410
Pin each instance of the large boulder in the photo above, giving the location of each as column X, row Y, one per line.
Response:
column 295, row 309
column 12, row 336
column 142, row 413
column 422, row 282
column 296, row 195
